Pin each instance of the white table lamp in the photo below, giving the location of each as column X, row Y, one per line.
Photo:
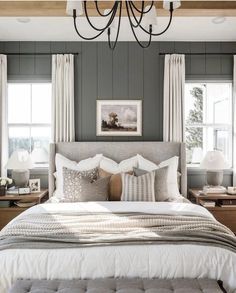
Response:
column 197, row 155
column 20, row 162
column 214, row 162
column 39, row 155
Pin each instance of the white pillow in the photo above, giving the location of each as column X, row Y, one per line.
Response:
column 89, row 164
column 83, row 165
column 172, row 163
column 112, row 167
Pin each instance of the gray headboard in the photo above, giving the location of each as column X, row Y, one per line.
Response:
column 118, row 151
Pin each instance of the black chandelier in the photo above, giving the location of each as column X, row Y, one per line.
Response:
column 135, row 15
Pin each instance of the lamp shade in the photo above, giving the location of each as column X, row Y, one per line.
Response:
column 74, row 4
column 20, row 160
column 166, row 4
column 150, row 18
column 39, row 155
column 197, row 155
column 214, row 160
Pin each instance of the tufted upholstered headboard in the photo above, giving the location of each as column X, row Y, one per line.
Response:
column 152, row 150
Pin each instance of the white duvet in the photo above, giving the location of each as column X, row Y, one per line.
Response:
column 147, row 261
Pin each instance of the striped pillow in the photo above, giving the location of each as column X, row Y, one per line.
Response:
column 138, row 188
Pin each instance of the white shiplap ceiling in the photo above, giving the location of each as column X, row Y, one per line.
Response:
column 61, row 29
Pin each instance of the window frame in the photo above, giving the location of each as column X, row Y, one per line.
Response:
column 187, row 81
column 36, row 169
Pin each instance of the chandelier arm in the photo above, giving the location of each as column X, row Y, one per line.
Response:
column 167, row 27
column 133, row 30
column 114, row 10
column 135, row 7
column 99, row 12
column 112, row 47
column 79, row 34
column 138, row 22
column 130, row 7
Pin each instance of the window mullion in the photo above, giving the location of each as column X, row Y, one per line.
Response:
column 30, row 117
column 28, row 125
column 209, row 125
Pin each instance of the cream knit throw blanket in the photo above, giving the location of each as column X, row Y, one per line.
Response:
column 86, row 229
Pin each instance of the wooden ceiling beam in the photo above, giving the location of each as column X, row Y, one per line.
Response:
column 188, row 8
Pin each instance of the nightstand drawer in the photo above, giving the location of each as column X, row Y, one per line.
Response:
column 7, row 214
column 226, row 216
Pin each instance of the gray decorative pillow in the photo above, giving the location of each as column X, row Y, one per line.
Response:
column 84, row 186
column 138, row 188
column 161, row 185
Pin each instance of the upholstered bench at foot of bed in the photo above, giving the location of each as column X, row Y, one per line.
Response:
column 123, row 285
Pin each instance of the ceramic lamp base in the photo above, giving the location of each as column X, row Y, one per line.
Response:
column 214, row 178
column 20, row 177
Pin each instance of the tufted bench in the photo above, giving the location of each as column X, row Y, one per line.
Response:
column 111, row 285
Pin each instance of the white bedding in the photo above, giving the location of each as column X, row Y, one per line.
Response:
column 149, row 261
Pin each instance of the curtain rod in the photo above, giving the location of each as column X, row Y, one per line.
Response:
column 230, row 54
column 40, row 54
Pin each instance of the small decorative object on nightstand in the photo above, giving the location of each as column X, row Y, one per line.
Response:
column 4, row 182
column 221, row 205
column 2, row 190
column 34, row 185
column 23, row 190
column 10, row 209
column 231, row 190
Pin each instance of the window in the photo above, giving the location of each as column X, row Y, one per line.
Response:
column 208, row 119
column 29, row 119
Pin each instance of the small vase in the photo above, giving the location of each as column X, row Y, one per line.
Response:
column 2, row 190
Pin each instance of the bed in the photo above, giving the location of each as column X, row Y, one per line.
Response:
column 143, row 254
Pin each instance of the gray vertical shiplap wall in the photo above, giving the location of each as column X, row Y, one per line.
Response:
column 128, row 72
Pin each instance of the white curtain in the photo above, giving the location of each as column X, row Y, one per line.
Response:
column 63, row 121
column 234, row 122
column 3, row 114
column 173, row 112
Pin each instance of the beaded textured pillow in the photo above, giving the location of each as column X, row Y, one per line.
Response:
column 84, row 186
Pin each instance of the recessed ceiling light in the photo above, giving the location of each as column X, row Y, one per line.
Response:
column 219, row 19
column 23, row 19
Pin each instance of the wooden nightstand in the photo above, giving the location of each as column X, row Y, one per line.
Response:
column 9, row 213
column 225, row 215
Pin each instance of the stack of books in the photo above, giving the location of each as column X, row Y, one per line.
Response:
column 208, row 203
column 214, row 189
column 227, row 202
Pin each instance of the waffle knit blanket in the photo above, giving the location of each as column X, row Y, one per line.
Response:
column 70, row 230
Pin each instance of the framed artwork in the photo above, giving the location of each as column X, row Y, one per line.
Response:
column 34, row 185
column 119, row 117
